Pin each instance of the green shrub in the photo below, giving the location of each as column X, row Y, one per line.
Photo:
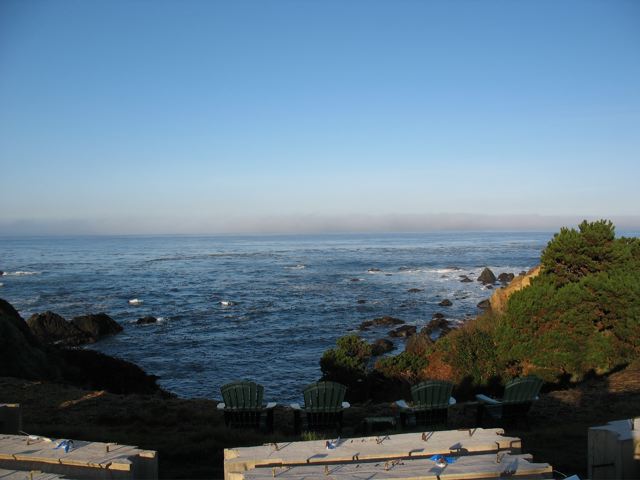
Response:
column 406, row 366
column 348, row 361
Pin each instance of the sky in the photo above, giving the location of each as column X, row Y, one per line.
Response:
column 185, row 116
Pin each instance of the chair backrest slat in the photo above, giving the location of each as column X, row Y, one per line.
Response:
column 522, row 390
column 324, row 396
column 242, row 395
column 432, row 394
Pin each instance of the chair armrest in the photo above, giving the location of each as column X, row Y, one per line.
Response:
column 489, row 400
column 295, row 406
column 221, row 406
column 402, row 404
column 346, row 405
column 452, row 401
column 270, row 405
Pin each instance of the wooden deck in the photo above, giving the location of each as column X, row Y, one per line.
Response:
column 479, row 454
column 92, row 460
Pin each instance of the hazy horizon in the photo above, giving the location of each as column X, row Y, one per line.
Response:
column 190, row 117
column 314, row 225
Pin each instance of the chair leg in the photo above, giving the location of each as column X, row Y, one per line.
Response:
column 296, row 422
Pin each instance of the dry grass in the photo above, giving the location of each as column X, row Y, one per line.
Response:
column 190, row 433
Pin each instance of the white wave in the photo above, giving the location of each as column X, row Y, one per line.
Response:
column 296, row 267
column 19, row 273
column 227, row 303
column 1, row 284
column 446, row 270
column 135, row 301
column 161, row 319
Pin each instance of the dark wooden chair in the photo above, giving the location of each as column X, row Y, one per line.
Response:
column 243, row 407
column 323, row 407
column 430, row 404
column 519, row 395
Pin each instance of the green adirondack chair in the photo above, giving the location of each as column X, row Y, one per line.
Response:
column 430, row 406
column 243, row 407
column 519, row 395
column 323, row 407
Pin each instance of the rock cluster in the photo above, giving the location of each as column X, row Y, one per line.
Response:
column 51, row 328
column 385, row 321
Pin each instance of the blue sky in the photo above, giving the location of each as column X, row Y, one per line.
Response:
column 213, row 116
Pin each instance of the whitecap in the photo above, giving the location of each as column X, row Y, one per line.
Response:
column 300, row 266
column 1, row 284
column 227, row 303
column 19, row 273
column 135, row 301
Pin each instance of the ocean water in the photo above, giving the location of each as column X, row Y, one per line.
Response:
column 293, row 296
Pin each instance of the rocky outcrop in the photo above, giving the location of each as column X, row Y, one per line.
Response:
column 501, row 296
column 445, row 303
column 97, row 325
column 414, row 290
column 487, row 277
column 381, row 346
column 403, row 331
column 465, row 279
column 505, row 278
column 23, row 355
column 51, row 328
column 438, row 326
column 385, row 321
column 484, row 304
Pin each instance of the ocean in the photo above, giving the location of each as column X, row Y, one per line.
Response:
column 263, row 308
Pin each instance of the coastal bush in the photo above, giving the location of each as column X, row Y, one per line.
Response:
column 581, row 315
column 347, row 362
column 405, row 366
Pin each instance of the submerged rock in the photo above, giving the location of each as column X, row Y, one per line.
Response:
column 414, row 290
column 381, row 346
column 146, row 320
column 487, row 276
column 445, row 303
column 361, row 301
column 380, row 322
column 437, row 315
column 465, row 279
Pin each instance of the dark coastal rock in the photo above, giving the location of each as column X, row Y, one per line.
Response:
column 414, row 290
column 487, row 276
column 484, row 304
column 373, row 270
column 355, row 279
column 97, row 325
column 439, row 326
column 51, row 328
column 453, row 267
column 385, row 321
column 146, row 320
column 465, row 279
column 437, row 315
column 388, row 274
column 381, row 346
column 403, row 331
column 445, row 303
column 489, row 287
column 21, row 354
column 505, row 277
column 522, row 273
column 361, row 301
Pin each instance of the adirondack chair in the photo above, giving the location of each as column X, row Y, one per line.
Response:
column 519, row 395
column 243, row 407
column 430, row 406
column 323, row 407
